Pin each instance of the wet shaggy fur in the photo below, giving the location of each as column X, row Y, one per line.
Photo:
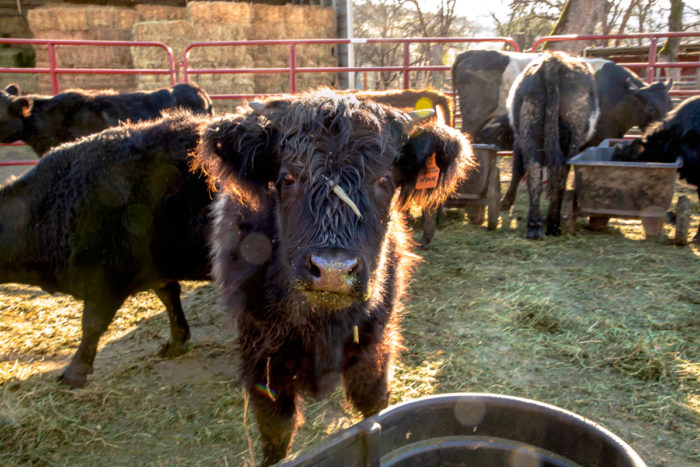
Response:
column 553, row 112
column 278, row 216
column 113, row 214
column 677, row 135
column 44, row 122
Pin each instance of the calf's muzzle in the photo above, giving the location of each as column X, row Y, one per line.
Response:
column 333, row 270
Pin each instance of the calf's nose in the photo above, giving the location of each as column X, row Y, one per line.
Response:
column 334, row 270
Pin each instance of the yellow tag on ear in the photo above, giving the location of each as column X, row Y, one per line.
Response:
column 429, row 174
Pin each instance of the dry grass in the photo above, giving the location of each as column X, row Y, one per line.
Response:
column 602, row 324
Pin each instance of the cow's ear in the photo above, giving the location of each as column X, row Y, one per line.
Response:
column 632, row 85
column 238, row 153
column 21, row 106
column 12, row 89
column 432, row 162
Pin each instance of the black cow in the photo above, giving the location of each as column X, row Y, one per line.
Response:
column 107, row 216
column 45, row 121
column 624, row 101
column 677, row 135
column 553, row 112
column 310, row 248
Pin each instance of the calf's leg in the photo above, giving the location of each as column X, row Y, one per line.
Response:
column 179, row 329
column 696, row 238
column 555, row 193
column 276, row 414
column 367, row 379
column 534, row 189
column 96, row 318
column 517, row 174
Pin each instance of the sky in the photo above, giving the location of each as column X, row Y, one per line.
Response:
column 476, row 11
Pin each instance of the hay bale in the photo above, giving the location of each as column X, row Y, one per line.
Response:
column 99, row 17
column 125, row 18
column 177, row 34
column 221, row 12
column 161, row 13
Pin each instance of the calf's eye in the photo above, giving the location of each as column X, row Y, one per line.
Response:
column 385, row 181
column 287, row 179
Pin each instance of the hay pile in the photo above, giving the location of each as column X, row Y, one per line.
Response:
column 178, row 27
column 20, row 56
column 85, row 22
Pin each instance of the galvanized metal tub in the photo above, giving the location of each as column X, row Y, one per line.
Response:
column 472, row 429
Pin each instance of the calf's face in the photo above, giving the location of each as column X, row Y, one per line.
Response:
column 336, row 170
column 12, row 110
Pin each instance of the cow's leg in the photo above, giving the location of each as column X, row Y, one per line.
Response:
column 275, row 412
column 534, row 189
column 96, row 318
column 367, row 379
column 179, row 330
column 517, row 174
column 555, row 192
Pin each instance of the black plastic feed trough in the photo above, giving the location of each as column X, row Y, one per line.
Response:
column 604, row 188
column 480, row 430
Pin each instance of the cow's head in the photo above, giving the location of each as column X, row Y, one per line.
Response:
column 13, row 109
column 653, row 100
column 336, row 170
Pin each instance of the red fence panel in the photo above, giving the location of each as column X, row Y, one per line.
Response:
column 54, row 71
column 292, row 70
column 653, row 37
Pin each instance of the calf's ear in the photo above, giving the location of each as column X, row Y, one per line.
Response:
column 21, row 106
column 12, row 89
column 238, row 154
column 432, row 162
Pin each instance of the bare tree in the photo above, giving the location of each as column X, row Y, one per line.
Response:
column 669, row 52
column 405, row 18
column 577, row 17
column 537, row 18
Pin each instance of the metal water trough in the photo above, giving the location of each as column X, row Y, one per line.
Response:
column 642, row 190
column 480, row 190
column 480, row 430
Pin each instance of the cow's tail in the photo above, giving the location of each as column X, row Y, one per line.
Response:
column 552, row 146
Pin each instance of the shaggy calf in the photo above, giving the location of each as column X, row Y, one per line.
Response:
column 553, row 112
column 44, row 122
column 677, row 135
column 110, row 215
column 310, row 248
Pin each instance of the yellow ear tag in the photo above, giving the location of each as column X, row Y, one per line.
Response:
column 429, row 174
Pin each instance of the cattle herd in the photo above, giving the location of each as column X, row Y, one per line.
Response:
column 295, row 205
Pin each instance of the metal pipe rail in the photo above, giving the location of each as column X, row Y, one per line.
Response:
column 293, row 70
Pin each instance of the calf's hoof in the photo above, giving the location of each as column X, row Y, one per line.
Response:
column 172, row 349
column 534, row 233
column 75, row 376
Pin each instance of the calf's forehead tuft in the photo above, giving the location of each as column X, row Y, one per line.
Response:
column 339, row 129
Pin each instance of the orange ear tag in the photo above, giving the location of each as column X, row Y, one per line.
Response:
column 428, row 175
